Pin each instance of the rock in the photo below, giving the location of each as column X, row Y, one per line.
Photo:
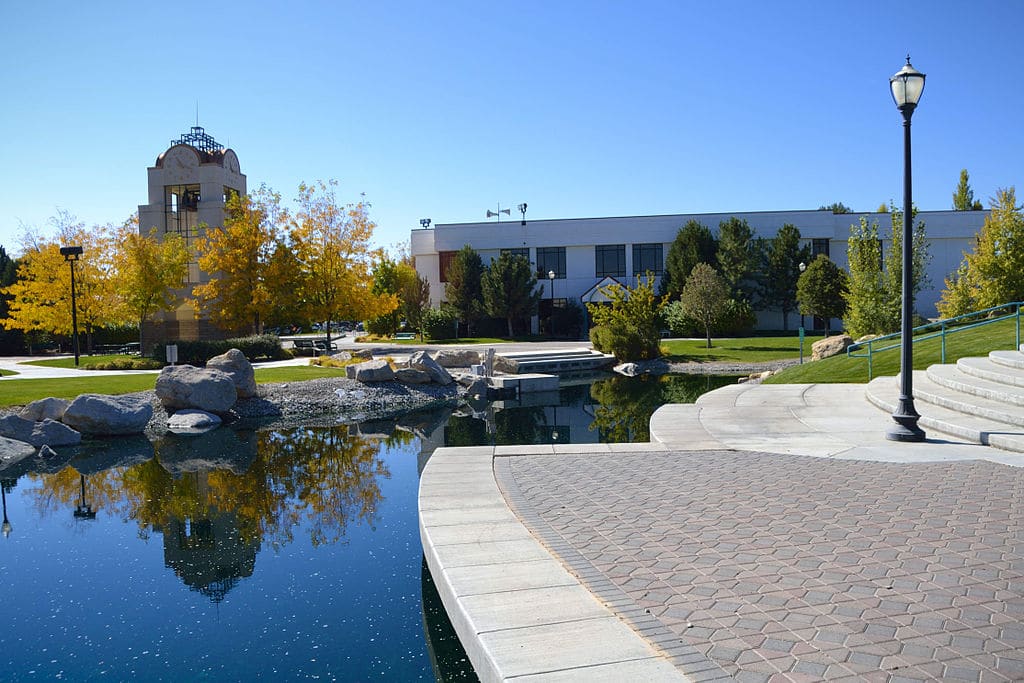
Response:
column 830, row 346
column 52, row 408
column 421, row 360
column 456, row 358
column 506, row 365
column 341, row 356
column 13, row 451
column 479, row 387
column 363, row 353
column 192, row 421
column 237, row 366
column 370, row 371
column 182, row 386
column 43, row 433
column 412, row 376
column 108, row 415
column 627, row 369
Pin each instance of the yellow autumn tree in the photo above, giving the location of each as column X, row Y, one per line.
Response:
column 250, row 268
column 331, row 242
column 148, row 271
column 40, row 299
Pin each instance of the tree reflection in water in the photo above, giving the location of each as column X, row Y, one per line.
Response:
column 625, row 404
column 216, row 512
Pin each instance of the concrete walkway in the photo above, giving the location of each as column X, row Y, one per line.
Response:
column 771, row 533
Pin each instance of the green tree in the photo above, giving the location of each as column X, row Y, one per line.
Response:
column 866, row 305
column 11, row 341
column 783, row 256
column 463, row 290
column 628, row 326
column 693, row 244
column 704, row 297
column 386, row 280
column 738, row 257
column 836, row 207
column 821, row 290
column 994, row 268
column 960, row 295
column 963, row 196
column 509, row 288
column 415, row 296
column 893, row 270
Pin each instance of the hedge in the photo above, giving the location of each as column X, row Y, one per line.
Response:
column 198, row 352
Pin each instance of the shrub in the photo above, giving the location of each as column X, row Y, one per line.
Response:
column 127, row 364
column 198, row 352
column 629, row 325
column 737, row 320
column 622, row 341
column 439, row 323
column 680, row 324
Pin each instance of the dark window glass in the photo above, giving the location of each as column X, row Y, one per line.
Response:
column 648, row 257
column 445, row 259
column 548, row 259
column 610, row 260
column 819, row 246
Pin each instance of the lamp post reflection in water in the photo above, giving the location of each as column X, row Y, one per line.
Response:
column 83, row 510
column 5, row 486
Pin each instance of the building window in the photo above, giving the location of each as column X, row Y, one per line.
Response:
column 551, row 259
column 445, row 259
column 610, row 260
column 648, row 257
column 819, row 246
column 519, row 251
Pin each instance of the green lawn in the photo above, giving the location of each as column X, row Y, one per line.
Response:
column 739, row 349
column 83, row 361
column 23, row 391
column 841, row 369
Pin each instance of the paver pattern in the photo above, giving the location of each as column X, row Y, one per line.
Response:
column 793, row 568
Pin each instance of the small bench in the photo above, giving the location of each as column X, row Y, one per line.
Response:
column 405, row 335
column 303, row 345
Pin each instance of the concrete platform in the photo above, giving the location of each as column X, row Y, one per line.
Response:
column 771, row 533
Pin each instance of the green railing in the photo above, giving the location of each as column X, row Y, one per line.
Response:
column 939, row 329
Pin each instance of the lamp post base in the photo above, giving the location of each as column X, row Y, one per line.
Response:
column 906, row 418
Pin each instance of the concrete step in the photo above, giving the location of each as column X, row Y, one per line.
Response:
column 883, row 392
column 1009, row 359
column 954, row 377
column 553, row 353
column 987, row 368
column 926, row 389
column 556, row 361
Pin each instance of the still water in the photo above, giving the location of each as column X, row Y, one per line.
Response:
column 255, row 551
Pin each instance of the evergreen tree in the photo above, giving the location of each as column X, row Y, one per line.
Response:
column 737, row 257
column 510, row 289
column 463, row 291
column 822, row 289
column 783, row 256
column 693, row 244
column 963, row 196
column 836, row 207
column 11, row 340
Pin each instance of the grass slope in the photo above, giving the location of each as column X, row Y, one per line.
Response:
column 841, row 369
column 739, row 349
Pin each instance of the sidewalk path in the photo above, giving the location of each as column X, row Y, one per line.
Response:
column 772, row 534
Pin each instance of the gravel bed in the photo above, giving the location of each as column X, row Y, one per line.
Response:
column 726, row 368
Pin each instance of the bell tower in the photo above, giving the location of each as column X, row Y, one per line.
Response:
column 188, row 187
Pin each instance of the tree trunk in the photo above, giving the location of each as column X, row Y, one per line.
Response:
column 707, row 330
column 509, row 320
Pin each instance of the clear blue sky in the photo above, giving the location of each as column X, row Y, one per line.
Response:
column 446, row 109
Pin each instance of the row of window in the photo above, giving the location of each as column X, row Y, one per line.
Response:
column 609, row 259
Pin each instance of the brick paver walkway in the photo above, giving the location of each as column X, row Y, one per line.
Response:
column 779, row 567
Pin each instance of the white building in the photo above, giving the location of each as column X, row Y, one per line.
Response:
column 188, row 187
column 584, row 252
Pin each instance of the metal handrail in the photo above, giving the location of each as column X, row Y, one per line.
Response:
column 944, row 327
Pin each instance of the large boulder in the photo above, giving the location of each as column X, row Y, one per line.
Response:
column 456, row 358
column 43, row 433
column 370, row 371
column 182, row 386
column 237, row 366
column 830, row 346
column 108, row 415
column 421, row 360
column 412, row 376
column 13, row 451
column 45, row 408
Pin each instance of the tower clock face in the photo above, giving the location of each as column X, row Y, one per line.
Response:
column 181, row 158
column 231, row 161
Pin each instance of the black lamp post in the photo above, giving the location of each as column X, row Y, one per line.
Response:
column 803, row 267
column 551, row 278
column 907, row 86
column 522, row 210
column 72, row 254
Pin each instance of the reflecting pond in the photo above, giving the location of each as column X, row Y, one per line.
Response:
column 261, row 550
